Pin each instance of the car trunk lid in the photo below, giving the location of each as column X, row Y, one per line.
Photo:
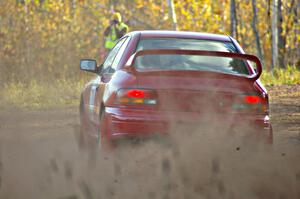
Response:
column 194, row 92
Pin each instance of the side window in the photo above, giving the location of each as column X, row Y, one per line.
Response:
column 120, row 54
column 111, row 56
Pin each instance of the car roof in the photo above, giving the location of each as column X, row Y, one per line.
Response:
column 181, row 35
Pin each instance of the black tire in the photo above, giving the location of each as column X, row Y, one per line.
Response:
column 84, row 141
column 102, row 142
column 99, row 137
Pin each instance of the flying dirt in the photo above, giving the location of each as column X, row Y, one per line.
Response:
column 40, row 158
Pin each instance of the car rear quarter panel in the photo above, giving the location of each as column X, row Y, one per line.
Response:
column 120, row 79
column 257, row 84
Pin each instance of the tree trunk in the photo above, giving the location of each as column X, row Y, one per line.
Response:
column 288, row 26
column 281, row 39
column 233, row 20
column 172, row 14
column 274, row 35
column 255, row 30
column 296, row 61
column 269, row 31
column 113, row 4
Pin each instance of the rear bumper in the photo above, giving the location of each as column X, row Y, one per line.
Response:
column 124, row 122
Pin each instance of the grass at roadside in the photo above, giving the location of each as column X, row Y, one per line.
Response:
column 38, row 94
column 288, row 76
column 66, row 93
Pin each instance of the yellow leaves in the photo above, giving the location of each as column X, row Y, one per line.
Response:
column 156, row 7
column 139, row 4
column 200, row 16
column 66, row 31
column 243, row 30
column 67, row 18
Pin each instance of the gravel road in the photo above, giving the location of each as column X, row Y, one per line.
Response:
column 40, row 158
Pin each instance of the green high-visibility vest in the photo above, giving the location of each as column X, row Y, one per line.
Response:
column 112, row 38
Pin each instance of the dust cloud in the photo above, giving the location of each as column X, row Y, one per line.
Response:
column 40, row 158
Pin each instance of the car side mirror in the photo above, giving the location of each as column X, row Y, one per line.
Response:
column 88, row 65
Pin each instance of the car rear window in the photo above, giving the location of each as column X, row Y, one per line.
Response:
column 189, row 62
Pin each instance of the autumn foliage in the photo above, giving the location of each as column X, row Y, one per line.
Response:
column 45, row 39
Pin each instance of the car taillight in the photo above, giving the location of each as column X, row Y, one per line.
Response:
column 136, row 96
column 252, row 103
column 252, row 99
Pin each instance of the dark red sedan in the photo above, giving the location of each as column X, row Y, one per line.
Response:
column 152, row 82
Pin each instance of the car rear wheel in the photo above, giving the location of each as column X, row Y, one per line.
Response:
column 88, row 142
column 81, row 139
column 103, row 142
column 85, row 141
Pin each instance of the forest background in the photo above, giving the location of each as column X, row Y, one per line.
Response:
column 42, row 41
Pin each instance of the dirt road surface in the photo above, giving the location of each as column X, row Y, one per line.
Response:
column 40, row 158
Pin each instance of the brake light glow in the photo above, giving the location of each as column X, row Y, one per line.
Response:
column 136, row 97
column 136, row 93
column 251, row 103
column 252, row 99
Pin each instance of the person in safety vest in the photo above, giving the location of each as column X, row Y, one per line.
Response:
column 114, row 31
